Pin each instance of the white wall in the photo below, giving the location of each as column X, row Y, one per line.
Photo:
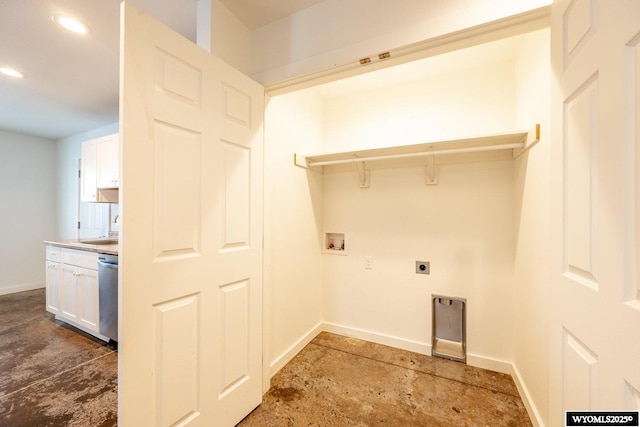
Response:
column 484, row 227
column 532, row 194
column 293, row 223
column 339, row 31
column 28, row 212
column 508, row 258
column 466, row 102
column 463, row 226
column 39, row 202
column 221, row 33
column 68, row 153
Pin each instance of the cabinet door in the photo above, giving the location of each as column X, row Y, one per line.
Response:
column 53, row 287
column 88, row 305
column 108, row 162
column 89, row 171
column 69, row 292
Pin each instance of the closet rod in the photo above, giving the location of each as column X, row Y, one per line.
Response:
column 420, row 154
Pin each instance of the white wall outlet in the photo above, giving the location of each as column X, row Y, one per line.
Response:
column 422, row 267
column 368, row 262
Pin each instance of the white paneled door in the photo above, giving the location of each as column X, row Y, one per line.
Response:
column 190, row 349
column 595, row 328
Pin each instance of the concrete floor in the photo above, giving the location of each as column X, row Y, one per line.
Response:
column 54, row 375
column 340, row 381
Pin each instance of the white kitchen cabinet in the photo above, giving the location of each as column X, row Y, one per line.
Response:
column 108, row 161
column 53, row 287
column 89, row 311
column 79, row 296
column 72, row 288
column 53, row 279
column 89, row 171
column 99, row 168
column 69, row 292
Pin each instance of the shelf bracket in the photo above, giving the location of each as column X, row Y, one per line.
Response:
column 430, row 170
column 532, row 139
column 301, row 162
column 363, row 174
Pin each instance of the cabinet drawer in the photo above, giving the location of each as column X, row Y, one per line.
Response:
column 53, row 253
column 80, row 258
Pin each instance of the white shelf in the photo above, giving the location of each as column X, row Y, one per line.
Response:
column 515, row 143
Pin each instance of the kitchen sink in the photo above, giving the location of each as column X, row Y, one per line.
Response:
column 99, row 242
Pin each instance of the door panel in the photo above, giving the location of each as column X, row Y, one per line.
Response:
column 190, row 264
column 234, row 315
column 630, row 315
column 580, row 373
column 632, row 85
column 595, row 314
column 581, row 176
column 176, row 220
column 238, row 239
column 237, row 192
column 177, row 360
column 579, row 24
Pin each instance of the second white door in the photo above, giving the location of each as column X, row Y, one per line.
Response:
column 191, row 232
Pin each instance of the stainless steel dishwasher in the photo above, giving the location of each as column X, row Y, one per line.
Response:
column 108, row 291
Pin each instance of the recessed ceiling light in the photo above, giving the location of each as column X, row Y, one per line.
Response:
column 12, row 72
column 70, row 24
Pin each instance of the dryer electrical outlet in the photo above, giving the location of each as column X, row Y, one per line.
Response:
column 422, row 267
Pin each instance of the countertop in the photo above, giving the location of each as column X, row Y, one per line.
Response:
column 78, row 244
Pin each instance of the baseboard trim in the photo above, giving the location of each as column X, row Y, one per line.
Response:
column 288, row 354
column 532, row 410
column 415, row 346
column 488, row 363
column 362, row 334
column 21, row 288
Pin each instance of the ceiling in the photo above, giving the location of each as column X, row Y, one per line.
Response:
column 257, row 13
column 71, row 83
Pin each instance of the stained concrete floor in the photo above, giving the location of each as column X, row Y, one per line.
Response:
column 340, row 381
column 54, row 375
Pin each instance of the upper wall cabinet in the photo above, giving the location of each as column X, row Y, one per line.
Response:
column 99, row 172
column 89, row 171
column 108, row 162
